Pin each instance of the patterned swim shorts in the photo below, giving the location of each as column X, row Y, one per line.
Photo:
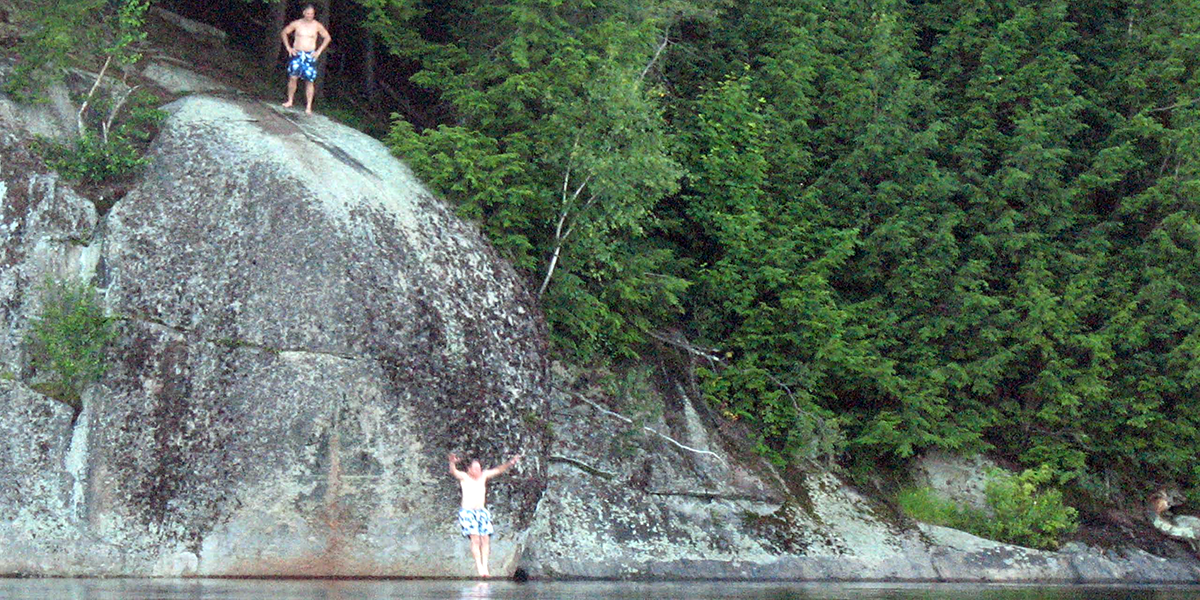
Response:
column 302, row 65
column 475, row 521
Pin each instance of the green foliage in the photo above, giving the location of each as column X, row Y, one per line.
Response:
column 1022, row 510
column 963, row 241
column 61, row 33
column 1027, row 512
column 924, row 505
column 485, row 183
column 90, row 159
column 113, row 129
column 94, row 157
column 967, row 225
column 558, row 149
column 68, row 340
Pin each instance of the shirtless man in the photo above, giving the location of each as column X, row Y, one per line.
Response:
column 304, row 53
column 474, row 518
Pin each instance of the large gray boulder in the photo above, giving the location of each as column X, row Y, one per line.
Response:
column 630, row 498
column 306, row 333
column 45, row 232
column 682, row 501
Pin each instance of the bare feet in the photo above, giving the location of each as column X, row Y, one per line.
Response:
column 287, row 104
column 308, row 111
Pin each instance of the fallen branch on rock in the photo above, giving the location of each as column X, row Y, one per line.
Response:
column 583, row 466
column 628, row 420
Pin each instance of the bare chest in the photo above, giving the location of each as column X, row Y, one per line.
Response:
column 306, row 30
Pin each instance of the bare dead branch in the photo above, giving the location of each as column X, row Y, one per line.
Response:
column 628, row 420
column 663, row 46
column 591, row 470
column 560, row 238
column 1174, row 106
column 83, row 108
column 112, row 113
column 708, row 354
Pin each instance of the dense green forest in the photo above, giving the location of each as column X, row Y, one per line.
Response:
column 879, row 227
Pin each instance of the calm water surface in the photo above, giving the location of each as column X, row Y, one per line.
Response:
column 235, row 589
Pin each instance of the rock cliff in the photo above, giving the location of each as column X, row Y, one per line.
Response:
column 305, row 332
column 650, row 500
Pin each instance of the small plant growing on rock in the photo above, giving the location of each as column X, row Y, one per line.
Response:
column 923, row 504
column 1028, row 512
column 107, row 151
column 68, row 340
column 1023, row 510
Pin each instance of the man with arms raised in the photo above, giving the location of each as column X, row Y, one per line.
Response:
column 474, row 517
column 304, row 53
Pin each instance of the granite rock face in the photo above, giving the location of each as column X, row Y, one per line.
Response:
column 305, row 334
column 629, row 503
column 954, row 478
column 45, row 229
column 626, row 502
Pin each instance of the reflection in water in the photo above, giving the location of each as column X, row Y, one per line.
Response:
column 443, row 589
column 479, row 590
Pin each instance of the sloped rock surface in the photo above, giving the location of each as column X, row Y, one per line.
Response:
column 305, row 334
column 624, row 502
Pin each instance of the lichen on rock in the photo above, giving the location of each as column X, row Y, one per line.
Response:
column 306, row 332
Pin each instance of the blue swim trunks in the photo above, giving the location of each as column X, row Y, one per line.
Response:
column 303, row 65
column 475, row 521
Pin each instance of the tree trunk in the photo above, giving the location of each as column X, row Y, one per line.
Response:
column 369, row 89
column 325, row 16
column 271, row 46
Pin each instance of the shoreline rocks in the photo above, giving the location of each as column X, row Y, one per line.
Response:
column 306, row 332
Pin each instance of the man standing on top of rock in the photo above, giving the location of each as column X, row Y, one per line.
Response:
column 304, row 53
column 474, row 517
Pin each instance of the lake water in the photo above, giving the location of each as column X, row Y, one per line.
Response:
column 243, row 589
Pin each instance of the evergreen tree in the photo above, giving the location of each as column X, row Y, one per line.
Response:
column 558, row 148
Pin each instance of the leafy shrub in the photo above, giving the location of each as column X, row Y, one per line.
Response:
column 923, row 505
column 68, row 340
column 1027, row 512
column 95, row 157
column 92, row 160
column 57, row 34
column 1023, row 510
